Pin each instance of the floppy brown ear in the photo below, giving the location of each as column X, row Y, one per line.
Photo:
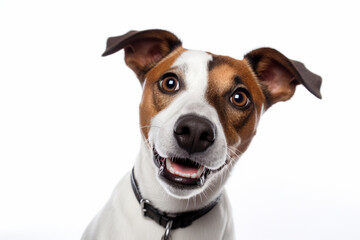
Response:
column 143, row 49
column 280, row 75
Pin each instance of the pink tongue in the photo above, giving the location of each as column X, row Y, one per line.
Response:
column 184, row 169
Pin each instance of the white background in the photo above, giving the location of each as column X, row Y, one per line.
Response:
column 69, row 118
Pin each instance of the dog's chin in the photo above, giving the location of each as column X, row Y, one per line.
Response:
column 182, row 177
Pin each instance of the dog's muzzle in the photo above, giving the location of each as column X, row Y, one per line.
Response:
column 193, row 135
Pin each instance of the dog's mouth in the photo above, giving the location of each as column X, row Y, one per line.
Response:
column 181, row 172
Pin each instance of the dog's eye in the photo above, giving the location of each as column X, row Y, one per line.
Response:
column 169, row 84
column 240, row 99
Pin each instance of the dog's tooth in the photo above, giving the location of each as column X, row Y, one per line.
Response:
column 200, row 171
column 169, row 166
column 185, row 175
column 194, row 175
column 202, row 180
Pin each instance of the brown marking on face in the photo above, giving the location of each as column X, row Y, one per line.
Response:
column 226, row 75
column 153, row 99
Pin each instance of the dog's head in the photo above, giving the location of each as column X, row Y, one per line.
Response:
column 199, row 111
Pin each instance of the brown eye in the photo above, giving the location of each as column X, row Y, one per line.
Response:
column 240, row 99
column 169, row 84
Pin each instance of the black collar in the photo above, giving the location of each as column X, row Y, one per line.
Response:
column 178, row 220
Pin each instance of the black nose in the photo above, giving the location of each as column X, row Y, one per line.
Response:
column 194, row 133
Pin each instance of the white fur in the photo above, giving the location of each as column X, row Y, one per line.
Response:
column 121, row 218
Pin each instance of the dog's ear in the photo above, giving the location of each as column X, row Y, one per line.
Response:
column 143, row 49
column 280, row 75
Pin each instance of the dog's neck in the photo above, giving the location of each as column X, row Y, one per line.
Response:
column 151, row 189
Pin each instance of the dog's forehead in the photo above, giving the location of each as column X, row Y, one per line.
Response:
column 220, row 72
column 193, row 66
column 193, row 62
column 204, row 73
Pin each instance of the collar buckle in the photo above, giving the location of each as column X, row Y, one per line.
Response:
column 143, row 203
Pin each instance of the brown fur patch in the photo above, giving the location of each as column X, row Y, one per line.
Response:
column 153, row 100
column 225, row 76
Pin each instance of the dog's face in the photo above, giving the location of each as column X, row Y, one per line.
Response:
column 202, row 112
column 199, row 111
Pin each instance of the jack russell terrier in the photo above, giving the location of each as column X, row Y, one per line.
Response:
column 198, row 114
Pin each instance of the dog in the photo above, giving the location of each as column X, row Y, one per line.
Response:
column 198, row 114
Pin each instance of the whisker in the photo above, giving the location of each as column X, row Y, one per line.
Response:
column 236, row 152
